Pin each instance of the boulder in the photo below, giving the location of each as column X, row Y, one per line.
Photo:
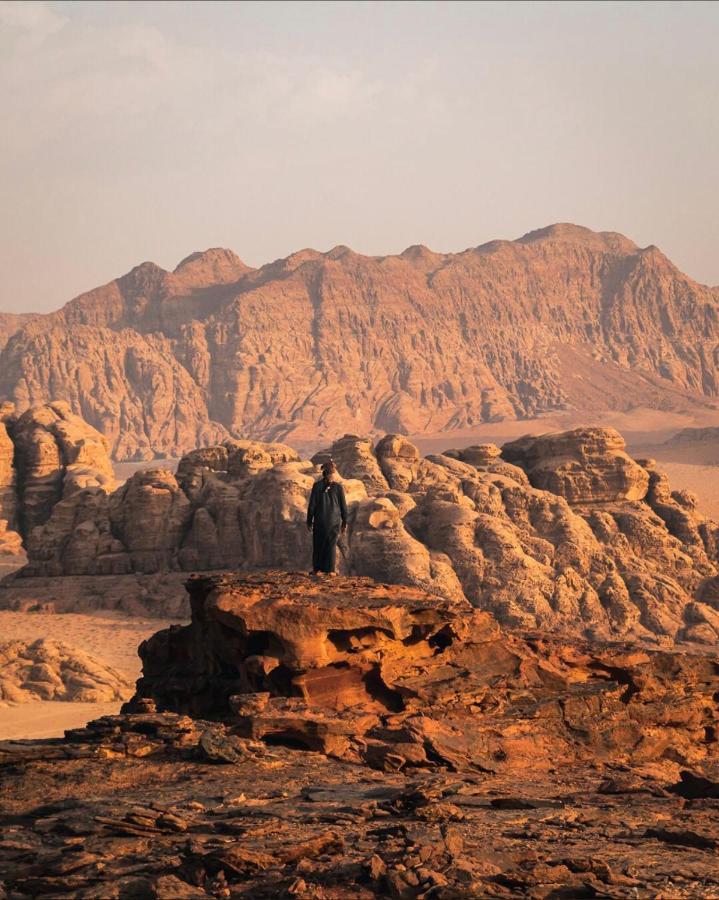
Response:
column 354, row 458
column 149, row 515
column 586, row 465
column 51, row 670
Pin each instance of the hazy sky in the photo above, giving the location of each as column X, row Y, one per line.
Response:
column 134, row 131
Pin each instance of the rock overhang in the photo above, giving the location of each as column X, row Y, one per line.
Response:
column 398, row 677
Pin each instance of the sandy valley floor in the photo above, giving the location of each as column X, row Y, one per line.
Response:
column 110, row 636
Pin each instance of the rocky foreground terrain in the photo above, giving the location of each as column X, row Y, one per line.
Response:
column 520, row 699
column 319, row 344
column 351, row 739
column 561, row 532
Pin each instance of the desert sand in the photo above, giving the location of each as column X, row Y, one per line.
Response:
column 110, row 636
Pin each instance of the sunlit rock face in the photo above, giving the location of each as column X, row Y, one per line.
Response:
column 46, row 669
column 395, row 677
column 319, row 344
column 46, row 454
column 561, row 532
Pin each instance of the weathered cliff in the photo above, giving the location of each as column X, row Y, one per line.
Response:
column 46, row 454
column 563, row 532
column 322, row 343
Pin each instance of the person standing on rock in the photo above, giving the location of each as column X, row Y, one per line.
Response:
column 326, row 519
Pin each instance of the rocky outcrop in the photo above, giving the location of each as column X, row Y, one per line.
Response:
column 578, row 538
column 46, row 454
column 51, row 670
column 450, row 759
column 587, row 465
column 397, row 678
column 563, row 318
column 56, row 454
column 10, row 540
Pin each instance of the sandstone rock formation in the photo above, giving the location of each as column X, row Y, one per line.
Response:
column 562, row 532
column 450, row 760
column 51, row 670
column 399, row 678
column 46, row 454
column 162, row 362
column 587, row 465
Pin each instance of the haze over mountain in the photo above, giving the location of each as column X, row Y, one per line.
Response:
column 319, row 344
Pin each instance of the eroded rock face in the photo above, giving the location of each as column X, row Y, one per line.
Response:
column 564, row 317
column 57, row 454
column 452, row 759
column 597, row 544
column 47, row 454
column 396, row 677
column 586, row 465
column 354, row 454
column 51, row 670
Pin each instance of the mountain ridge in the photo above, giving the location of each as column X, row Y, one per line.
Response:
column 317, row 344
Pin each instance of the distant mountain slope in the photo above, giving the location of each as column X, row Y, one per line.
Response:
column 319, row 344
column 12, row 322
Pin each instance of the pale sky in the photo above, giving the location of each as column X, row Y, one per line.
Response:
column 135, row 131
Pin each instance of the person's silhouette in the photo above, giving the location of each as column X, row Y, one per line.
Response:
column 326, row 519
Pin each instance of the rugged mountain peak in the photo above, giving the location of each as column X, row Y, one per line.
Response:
column 214, row 266
column 419, row 255
column 340, row 252
column 282, row 267
column 610, row 241
column 148, row 275
column 321, row 344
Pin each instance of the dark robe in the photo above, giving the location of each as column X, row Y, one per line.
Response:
column 326, row 513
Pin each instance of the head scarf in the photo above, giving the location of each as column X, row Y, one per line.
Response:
column 329, row 473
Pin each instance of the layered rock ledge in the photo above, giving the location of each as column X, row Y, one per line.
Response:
column 350, row 740
column 399, row 678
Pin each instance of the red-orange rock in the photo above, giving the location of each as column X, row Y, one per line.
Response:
column 396, row 677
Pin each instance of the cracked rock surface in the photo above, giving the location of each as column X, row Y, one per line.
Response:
column 349, row 739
